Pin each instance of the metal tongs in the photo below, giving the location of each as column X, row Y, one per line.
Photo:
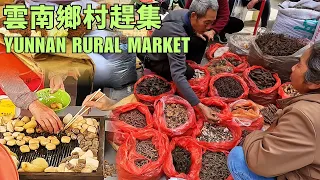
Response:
column 83, row 110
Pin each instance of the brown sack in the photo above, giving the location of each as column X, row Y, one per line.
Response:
column 278, row 64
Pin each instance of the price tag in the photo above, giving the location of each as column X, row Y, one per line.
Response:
column 7, row 107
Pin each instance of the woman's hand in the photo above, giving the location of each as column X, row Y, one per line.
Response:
column 103, row 104
column 46, row 117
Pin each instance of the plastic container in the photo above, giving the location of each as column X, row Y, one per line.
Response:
column 60, row 96
column 8, row 108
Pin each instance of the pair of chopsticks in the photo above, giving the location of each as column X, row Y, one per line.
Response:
column 75, row 117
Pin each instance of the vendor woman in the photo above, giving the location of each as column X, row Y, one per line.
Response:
column 19, row 82
column 290, row 148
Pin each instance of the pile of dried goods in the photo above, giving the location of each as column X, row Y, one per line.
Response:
column 241, row 108
column 198, row 74
column 176, row 115
column 80, row 31
column 25, row 33
column 148, row 150
column 290, row 91
column 153, row 86
column 79, row 161
column 220, row 66
column 134, row 118
column 109, row 170
column 269, row 113
column 245, row 133
column 278, row 44
column 216, row 109
column 233, row 61
column 181, row 160
column 262, row 78
column 214, row 166
column 228, row 87
column 213, row 133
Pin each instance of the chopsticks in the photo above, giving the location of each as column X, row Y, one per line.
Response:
column 75, row 117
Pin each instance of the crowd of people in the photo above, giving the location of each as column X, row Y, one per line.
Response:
column 287, row 150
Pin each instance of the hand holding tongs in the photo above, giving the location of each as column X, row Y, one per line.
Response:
column 75, row 117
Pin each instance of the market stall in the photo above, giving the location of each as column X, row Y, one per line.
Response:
column 155, row 133
column 244, row 97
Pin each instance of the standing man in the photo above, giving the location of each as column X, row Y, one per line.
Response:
column 172, row 66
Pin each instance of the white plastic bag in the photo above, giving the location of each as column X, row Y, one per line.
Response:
column 220, row 51
column 302, row 4
column 316, row 35
column 240, row 44
column 298, row 28
column 239, row 11
column 297, row 19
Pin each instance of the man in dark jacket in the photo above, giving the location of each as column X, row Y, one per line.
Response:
column 172, row 66
column 223, row 23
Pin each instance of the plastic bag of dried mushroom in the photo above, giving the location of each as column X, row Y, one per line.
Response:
column 151, row 87
column 263, row 85
column 247, row 114
column 218, row 106
column 173, row 115
column 219, row 66
column 224, row 135
column 239, row 64
column 229, row 87
column 199, row 83
column 286, row 90
column 214, row 166
column 132, row 117
column 183, row 158
column 212, row 49
column 278, row 52
column 142, row 155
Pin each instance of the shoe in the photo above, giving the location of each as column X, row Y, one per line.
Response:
column 222, row 38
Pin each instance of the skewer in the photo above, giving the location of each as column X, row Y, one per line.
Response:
column 79, row 113
column 89, row 107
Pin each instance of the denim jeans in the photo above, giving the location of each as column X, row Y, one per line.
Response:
column 238, row 167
